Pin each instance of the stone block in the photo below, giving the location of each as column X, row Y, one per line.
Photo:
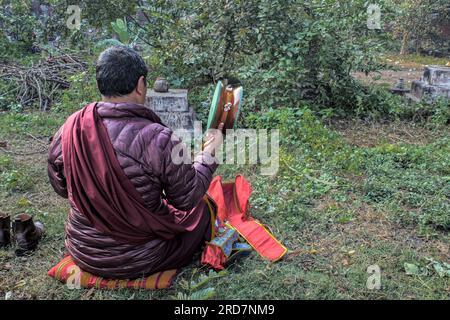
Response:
column 172, row 107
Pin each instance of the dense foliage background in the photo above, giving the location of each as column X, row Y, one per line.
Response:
column 285, row 52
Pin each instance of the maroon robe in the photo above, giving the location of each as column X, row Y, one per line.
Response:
column 113, row 162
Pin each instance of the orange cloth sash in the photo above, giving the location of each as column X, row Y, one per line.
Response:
column 231, row 200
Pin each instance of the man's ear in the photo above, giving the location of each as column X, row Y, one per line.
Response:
column 141, row 87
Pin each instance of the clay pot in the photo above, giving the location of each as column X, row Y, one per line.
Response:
column 161, row 85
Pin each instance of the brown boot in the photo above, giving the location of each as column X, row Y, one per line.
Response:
column 27, row 233
column 5, row 230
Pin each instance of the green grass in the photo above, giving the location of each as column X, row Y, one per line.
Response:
column 338, row 202
column 418, row 59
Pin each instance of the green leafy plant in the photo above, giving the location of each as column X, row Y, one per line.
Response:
column 15, row 180
column 121, row 29
column 433, row 267
column 194, row 290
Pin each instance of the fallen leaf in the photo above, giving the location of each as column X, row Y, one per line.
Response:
column 411, row 269
column 19, row 284
column 8, row 295
column 23, row 202
column 439, row 269
column 89, row 293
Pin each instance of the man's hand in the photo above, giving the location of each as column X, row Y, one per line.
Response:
column 214, row 139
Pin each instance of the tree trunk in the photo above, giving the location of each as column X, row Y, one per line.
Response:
column 404, row 48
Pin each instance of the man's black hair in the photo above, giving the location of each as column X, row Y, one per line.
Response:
column 118, row 70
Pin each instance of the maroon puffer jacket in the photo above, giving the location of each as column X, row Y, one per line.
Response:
column 142, row 145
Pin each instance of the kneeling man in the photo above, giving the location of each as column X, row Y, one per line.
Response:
column 133, row 211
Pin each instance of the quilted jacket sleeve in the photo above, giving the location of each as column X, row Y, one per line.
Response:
column 184, row 184
column 55, row 166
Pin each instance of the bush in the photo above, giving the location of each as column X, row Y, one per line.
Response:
column 284, row 52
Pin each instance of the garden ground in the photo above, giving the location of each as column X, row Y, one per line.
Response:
column 348, row 195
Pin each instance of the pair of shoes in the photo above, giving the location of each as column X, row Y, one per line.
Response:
column 26, row 232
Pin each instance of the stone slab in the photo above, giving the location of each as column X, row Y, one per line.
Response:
column 173, row 108
column 175, row 100
column 437, row 75
column 435, row 83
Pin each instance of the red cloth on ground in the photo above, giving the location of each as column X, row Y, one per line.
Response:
column 231, row 200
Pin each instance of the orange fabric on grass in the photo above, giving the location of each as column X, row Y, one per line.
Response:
column 232, row 204
column 66, row 268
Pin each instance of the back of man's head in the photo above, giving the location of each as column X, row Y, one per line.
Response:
column 118, row 70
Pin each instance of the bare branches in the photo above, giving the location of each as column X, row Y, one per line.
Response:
column 40, row 82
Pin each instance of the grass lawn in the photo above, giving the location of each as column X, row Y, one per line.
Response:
column 348, row 195
column 415, row 61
